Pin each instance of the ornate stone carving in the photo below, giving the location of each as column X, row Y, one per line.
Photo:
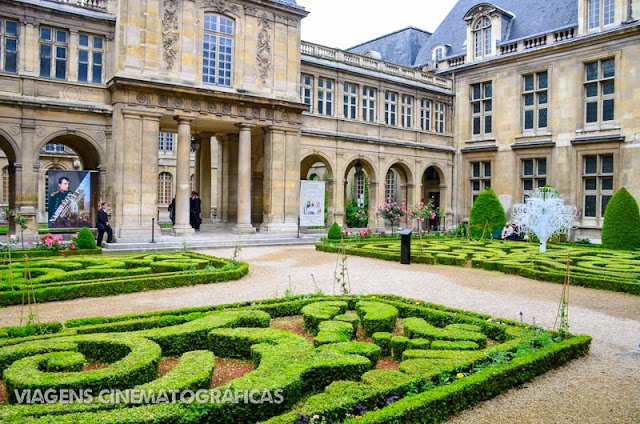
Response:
column 141, row 98
column 170, row 31
column 281, row 19
column 270, row 114
column 226, row 109
column 71, row 93
column 264, row 48
column 285, row 116
column 195, row 104
column 178, row 102
column 222, row 6
column 292, row 22
column 250, row 11
column 15, row 130
column 163, row 101
column 211, row 107
column 40, row 132
column 241, row 111
column 256, row 112
column 100, row 136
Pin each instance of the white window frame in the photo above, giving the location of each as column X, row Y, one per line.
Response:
column 325, row 96
column 482, row 109
column 601, row 192
column 406, row 111
column 218, row 47
column 390, row 181
column 306, row 90
column 600, row 14
column 369, row 95
column 350, row 100
column 440, row 122
column 59, row 53
column 537, row 178
column 481, row 36
column 425, row 114
column 535, row 101
column 599, row 90
column 9, row 42
column 482, row 177
column 391, row 108
column 165, row 188
column 94, row 50
column 166, row 142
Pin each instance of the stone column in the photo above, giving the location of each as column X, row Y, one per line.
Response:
column 243, row 225
column 224, row 193
column 219, row 182
column 339, row 197
column 27, row 194
column 205, row 179
column 196, row 165
column 182, row 226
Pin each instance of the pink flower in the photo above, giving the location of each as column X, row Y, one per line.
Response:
column 73, row 247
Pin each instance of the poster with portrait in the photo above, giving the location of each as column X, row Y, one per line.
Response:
column 312, row 203
column 69, row 199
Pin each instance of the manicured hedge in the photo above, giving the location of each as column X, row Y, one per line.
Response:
column 487, row 214
column 330, row 381
column 621, row 227
column 62, row 279
column 377, row 317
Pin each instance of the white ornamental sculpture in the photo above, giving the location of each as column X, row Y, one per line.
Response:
column 544, row 214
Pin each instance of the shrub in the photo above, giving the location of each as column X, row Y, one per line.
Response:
column 621, row 228
column 377, row 317
column 85, row 239
column 487, row 215
column 335, row 233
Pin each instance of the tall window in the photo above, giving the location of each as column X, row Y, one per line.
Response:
column 440, row 118
column 217, row 50
column 601, row 13
column 599, row 90
column 534, row 175
column 482, row 37
column 425, row 115
column 597, row 177
column 8, row 45
column 535, row 100
column 53, row 53
column 90, row 54
column 306, row 90
column 369, row 104
column 5, row 185
column 165, row 142
column 407, row 111
column 350, row 101
column 482, row 108
column 438, row 54
column 359, row 180
column 325, row 96
column 165, row 188
column 390, row 108
column 480, row 178
column 390, row 194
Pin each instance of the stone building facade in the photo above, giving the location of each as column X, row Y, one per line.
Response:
column 497, row 96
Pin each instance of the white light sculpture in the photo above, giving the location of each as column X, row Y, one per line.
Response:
column 544, row 214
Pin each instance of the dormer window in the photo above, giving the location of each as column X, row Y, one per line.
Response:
column 438, row 54
column 482, row 37
column 601, row 13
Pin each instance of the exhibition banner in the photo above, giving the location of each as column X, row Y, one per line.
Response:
column 312, row 203
column 69, row 195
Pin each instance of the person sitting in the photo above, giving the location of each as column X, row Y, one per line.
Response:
column 515, row 236
column 507, row 231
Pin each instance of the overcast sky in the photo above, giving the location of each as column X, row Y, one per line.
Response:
column 346, row 23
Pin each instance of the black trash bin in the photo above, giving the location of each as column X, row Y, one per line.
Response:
column 405, row 247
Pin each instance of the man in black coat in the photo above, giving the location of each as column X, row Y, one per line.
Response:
column 103, row 225
column 195, row 210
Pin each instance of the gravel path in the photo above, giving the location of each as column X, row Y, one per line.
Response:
column 602, row 388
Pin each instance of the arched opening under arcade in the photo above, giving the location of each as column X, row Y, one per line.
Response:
column 360, row 193
column 398, row 186
column 8, row 187
column 433, row 182
column 315, row 167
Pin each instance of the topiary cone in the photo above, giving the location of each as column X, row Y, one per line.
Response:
column 486, row 211
column 621, row 228
column 335, row 233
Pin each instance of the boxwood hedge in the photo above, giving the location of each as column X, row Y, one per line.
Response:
column 333, row 379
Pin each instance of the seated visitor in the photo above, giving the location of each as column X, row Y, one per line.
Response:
column 515, row 235
column 507, row 231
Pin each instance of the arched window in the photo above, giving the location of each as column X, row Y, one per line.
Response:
column 217, row 50
column 165, row 188
column 482, row 37
column 390, row 192
column 5, row 184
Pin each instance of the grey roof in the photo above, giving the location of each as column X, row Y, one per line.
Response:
column 399, row 47
column 531, row 18
column 290, row 3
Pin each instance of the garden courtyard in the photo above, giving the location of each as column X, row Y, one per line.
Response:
column 601, row 387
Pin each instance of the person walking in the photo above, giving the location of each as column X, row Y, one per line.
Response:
column 172, row 211
column 197, row 204
column 103, row 225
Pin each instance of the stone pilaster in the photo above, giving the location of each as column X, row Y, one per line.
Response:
column 182, row 226
column 205, row 178
column 243, row 223
column 27, row 196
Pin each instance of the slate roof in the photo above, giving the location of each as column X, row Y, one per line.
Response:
column 531, row 18
column 290, row 3
column 399, row 47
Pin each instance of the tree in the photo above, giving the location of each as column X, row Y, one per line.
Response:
column 621, row 228
column 544, row 214
column 487, row 215
column 391, row 211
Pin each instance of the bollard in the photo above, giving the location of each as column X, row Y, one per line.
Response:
column 153, row 230
column 405, row 247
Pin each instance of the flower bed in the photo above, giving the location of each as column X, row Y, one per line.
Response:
column 592, row 267
column 337, row 380
column 90, row 276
